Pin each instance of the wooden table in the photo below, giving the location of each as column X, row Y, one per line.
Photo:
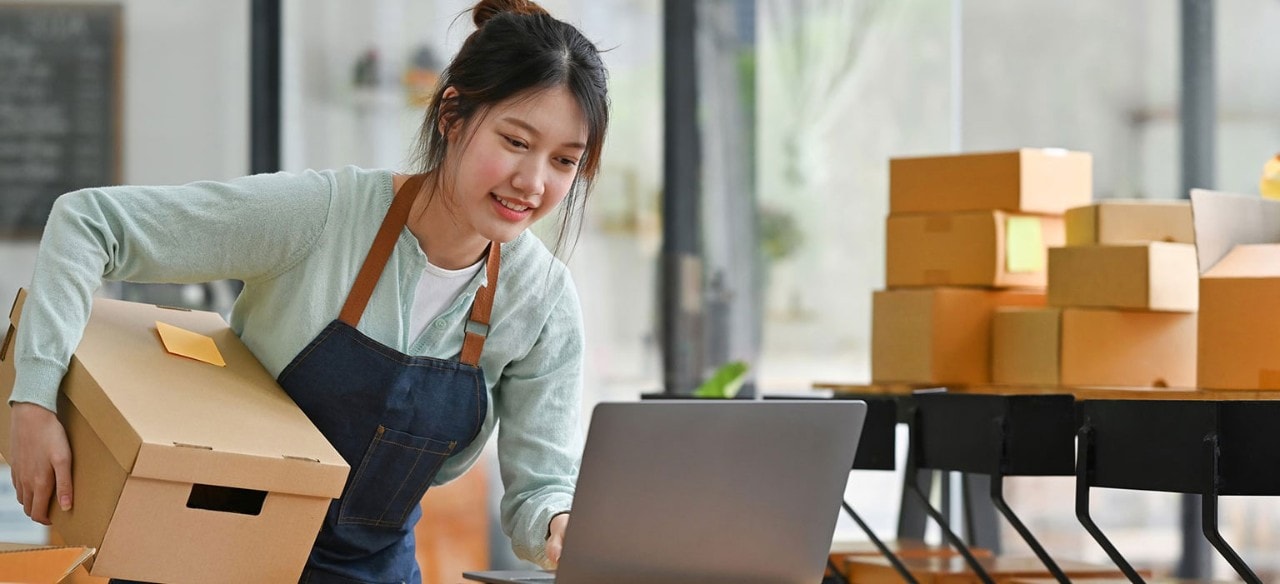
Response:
column 1080, row 393
column 954, row 571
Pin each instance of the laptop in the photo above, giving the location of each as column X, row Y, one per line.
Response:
column 706, row 492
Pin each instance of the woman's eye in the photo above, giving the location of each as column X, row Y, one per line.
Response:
column 567, row 161
column 514, row 142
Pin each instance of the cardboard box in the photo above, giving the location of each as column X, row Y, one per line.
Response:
column 183, row 470
column 1091, row 347
column 1238, row 241
column 40, row 563
column 984, row 248
column 937, row 335
column 1130, row 222
column 1152, row 276
column 1032, row 180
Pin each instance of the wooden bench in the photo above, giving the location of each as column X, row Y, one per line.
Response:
column 844, row 553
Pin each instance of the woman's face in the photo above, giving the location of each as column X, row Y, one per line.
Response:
column 520, row 161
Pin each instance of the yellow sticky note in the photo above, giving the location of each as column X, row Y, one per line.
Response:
column 183, row 342
column 1023, row 245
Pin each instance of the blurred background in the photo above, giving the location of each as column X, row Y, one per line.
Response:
column 781, row 196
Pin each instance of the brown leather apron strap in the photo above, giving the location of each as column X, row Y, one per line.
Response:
column 477, row 326
column 383, row 243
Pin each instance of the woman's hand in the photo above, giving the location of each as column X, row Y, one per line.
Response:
column 555, row 542
column 40, row 460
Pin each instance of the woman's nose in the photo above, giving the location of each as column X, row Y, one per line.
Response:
column 528, row 178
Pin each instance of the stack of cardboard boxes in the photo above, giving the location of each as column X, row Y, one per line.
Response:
column 966, row 234
column 1122, row 301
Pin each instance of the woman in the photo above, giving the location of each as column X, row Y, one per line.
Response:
column 450, row 315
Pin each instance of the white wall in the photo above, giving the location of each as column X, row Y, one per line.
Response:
column 186, row 102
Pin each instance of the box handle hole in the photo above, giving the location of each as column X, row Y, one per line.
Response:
column 226, row 499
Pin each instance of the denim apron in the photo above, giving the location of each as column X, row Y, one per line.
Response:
column 394, row 418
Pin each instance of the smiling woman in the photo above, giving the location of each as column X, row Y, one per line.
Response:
column 496, row 66
column 406, row 315
column 517, row 163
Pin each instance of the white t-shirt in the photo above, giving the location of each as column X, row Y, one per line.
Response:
column 437, row 289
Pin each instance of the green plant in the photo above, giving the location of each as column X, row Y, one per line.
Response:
column 725, row 383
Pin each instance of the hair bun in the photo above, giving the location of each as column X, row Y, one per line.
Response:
column 486, row 9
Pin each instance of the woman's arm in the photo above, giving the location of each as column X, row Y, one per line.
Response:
column 246, row 229
column 538, row 402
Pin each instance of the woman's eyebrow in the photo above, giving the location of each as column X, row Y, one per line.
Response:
column 532, row 130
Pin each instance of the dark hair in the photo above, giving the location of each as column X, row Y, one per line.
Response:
column 516, row 50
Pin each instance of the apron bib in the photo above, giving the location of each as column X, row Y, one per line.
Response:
column 394, row 418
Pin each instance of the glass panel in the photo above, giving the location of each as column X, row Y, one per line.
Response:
column 846, row 84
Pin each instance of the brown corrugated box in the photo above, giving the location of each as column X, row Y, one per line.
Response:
column 1153, row 276
column 1031, row 180
column 40, row 563
column 1238, row 241
column 937, row 335
column 1128, row 222
column 1092, row 347
column 183, row 470
column 983, row 248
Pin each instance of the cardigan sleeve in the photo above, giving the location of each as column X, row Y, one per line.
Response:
column 247, row 229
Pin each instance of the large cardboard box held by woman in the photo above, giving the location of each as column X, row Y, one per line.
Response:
column 183, row 470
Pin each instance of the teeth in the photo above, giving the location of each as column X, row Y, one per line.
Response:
column 510, row 205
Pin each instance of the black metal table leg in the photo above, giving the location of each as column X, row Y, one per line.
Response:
column 1084, row 477
column 1209, row 522
column 997, row 498
column 942, row 522
column 953, row 538
column 884, row 549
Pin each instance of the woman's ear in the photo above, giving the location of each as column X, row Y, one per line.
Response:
column 447, row 110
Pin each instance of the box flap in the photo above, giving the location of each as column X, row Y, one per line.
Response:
column 1225, row 220
column 1261, row 260
column 40, row 563
column 283, row 474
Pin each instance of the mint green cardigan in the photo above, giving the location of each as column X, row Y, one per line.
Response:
column 297, row 241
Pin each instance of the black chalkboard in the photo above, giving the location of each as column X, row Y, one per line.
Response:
column 60, row 104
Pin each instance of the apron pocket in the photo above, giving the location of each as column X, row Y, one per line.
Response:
column 392, row 478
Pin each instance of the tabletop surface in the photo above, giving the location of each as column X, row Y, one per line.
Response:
column 1081, row 393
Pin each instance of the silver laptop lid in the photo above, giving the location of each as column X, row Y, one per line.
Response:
column 710, row 492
